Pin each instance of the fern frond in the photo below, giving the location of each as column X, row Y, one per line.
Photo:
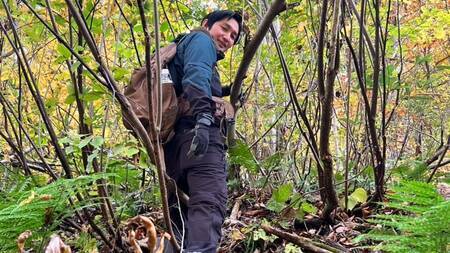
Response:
column 425, row 228
column 40, row 209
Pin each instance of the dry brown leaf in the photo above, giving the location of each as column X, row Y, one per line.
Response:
column 149, row 229
column 132, row 241
column 161, row 243
column 342, row 229
column 342, row 240
column 56, row 245
column 21, row 240
column 366, row 211
column 332, row 236
column 444, row 190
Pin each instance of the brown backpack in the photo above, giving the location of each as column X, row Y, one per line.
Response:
column 137, row 94
column 172, row 106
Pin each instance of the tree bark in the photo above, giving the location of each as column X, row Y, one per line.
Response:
column 326, row 96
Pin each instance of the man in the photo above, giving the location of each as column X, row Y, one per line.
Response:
column 195, row 157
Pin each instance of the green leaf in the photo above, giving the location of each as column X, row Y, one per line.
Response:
column 144, row 160
column 51, row 103
column 261, row 234
column 88, row 9
column 97, row 25
column 35, row 32
column 70, row 99
column 60, row 20
column 291, row 248
column 138, row 28
column 164, row 26
column 131, row 151
column 91, row 96
column 339, row 177
column 309, row 208
column 120, row 73
column 368, row 171
column 351, row 203
column 240, row 154
column 97, row 141
column 424, row 59
column 125, row 175
column 283, row 193
column 63, row 51
column 400, row 170
column 91, row 157
column 183, row 8
column 85, row 141
column 75, row 65
column 148, row 6
column 414, row 170
column 296, row 200
column 65, row 140
column 275, row 206
column 443, row 67
column 359, row 195
column 69, row 150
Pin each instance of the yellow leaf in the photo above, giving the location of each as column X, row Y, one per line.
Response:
column 28, row 200
column 236, row 235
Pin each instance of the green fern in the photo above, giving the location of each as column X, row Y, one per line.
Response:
column 424, row 225
column 39, row 210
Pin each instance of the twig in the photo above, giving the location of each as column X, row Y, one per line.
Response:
column 235, row 211
column 440, row 160
column 303, row 242
column 155, row 124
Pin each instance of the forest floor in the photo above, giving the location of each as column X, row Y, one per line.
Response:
column 253, row 228
column 250, row 227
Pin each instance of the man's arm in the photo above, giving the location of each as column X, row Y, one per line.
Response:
column 199, row 59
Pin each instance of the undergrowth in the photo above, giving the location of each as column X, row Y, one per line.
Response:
column 421, row 222
column 39, row 209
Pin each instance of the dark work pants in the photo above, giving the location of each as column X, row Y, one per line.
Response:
column 204, row 180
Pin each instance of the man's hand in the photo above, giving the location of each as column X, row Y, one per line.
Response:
column 200, row 141
column 226, row 90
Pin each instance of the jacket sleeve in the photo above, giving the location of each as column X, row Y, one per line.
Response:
column 199, row 60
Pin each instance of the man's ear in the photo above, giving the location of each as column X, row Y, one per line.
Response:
column 205, row 24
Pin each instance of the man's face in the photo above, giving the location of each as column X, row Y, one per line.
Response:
column 224, row 32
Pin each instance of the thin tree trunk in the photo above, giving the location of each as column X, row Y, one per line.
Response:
column 326, row 96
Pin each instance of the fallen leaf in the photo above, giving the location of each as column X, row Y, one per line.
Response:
column 56, row 245
column 444, row 190
column 366, row 212
column 236, row 235
column 341, row 229
column 21, row 240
